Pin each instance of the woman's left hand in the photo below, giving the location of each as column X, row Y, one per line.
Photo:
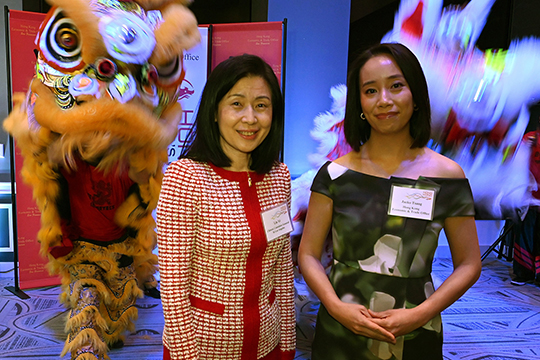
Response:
column 398, row 321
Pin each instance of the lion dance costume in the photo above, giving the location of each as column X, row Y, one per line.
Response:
column 93, row 131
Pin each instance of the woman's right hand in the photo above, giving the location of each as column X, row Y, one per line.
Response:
column 357, row 319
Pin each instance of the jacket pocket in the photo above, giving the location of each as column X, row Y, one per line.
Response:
column 207, row 305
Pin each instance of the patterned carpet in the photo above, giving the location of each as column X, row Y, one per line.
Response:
column 493, row 321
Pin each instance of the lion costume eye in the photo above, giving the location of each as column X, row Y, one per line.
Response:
column 60, row 43
column 68, row 39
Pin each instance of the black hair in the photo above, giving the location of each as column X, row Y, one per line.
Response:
column 203, row 141
column 358, row 131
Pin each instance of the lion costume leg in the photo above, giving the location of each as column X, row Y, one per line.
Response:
column 119, row 309
column 102, row 296
column 85, row 325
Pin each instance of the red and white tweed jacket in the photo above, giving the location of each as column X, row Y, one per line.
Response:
column 227, row 293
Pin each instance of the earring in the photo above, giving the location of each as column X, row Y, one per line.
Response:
column 362, row 116
column 415, row 107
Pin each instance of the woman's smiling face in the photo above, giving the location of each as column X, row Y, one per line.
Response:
column 244, row 118
column 385, row 96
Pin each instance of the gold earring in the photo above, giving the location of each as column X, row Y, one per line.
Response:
column 415, row 107
column 362, row 116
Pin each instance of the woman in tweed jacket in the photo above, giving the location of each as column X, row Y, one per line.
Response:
column 226, row 286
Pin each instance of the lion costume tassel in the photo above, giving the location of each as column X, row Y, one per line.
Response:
column 93, row 131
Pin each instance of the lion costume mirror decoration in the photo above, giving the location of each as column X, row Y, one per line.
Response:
column 93, row 131
column 479, row 103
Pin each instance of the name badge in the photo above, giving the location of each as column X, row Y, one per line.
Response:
column 411, row 202
column 276, row 222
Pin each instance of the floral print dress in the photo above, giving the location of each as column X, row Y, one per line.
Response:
column 383, row 261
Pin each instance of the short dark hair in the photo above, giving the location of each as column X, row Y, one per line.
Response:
column 358, row 131
column 203, row 142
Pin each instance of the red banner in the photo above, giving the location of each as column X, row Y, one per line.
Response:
column 23, row 28
column 264, row 39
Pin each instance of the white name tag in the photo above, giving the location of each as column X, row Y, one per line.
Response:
column 411, row 202
column 276, row 222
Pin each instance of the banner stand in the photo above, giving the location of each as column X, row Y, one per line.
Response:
column 283, row 70
column 500, row 242
column 15, row 289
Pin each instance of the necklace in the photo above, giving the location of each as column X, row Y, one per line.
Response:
column 249, row 178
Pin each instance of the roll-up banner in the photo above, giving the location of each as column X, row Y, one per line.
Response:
column 23, row 28
column 196, row 62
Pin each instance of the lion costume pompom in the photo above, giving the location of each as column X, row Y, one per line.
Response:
column 93, row 131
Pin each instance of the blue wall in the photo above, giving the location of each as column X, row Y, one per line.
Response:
column 316, row 60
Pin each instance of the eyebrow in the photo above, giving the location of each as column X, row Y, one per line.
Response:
column 396, row 76
column 243, row 96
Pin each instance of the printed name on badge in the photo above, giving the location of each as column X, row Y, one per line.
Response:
column 411, row 202
column 276, row 222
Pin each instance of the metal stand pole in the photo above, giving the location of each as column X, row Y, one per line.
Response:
column 14, row 289
column 497, row 242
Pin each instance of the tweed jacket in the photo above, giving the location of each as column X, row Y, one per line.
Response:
column 227, row 292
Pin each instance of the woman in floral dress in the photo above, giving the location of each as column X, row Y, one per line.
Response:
column 386, row 203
